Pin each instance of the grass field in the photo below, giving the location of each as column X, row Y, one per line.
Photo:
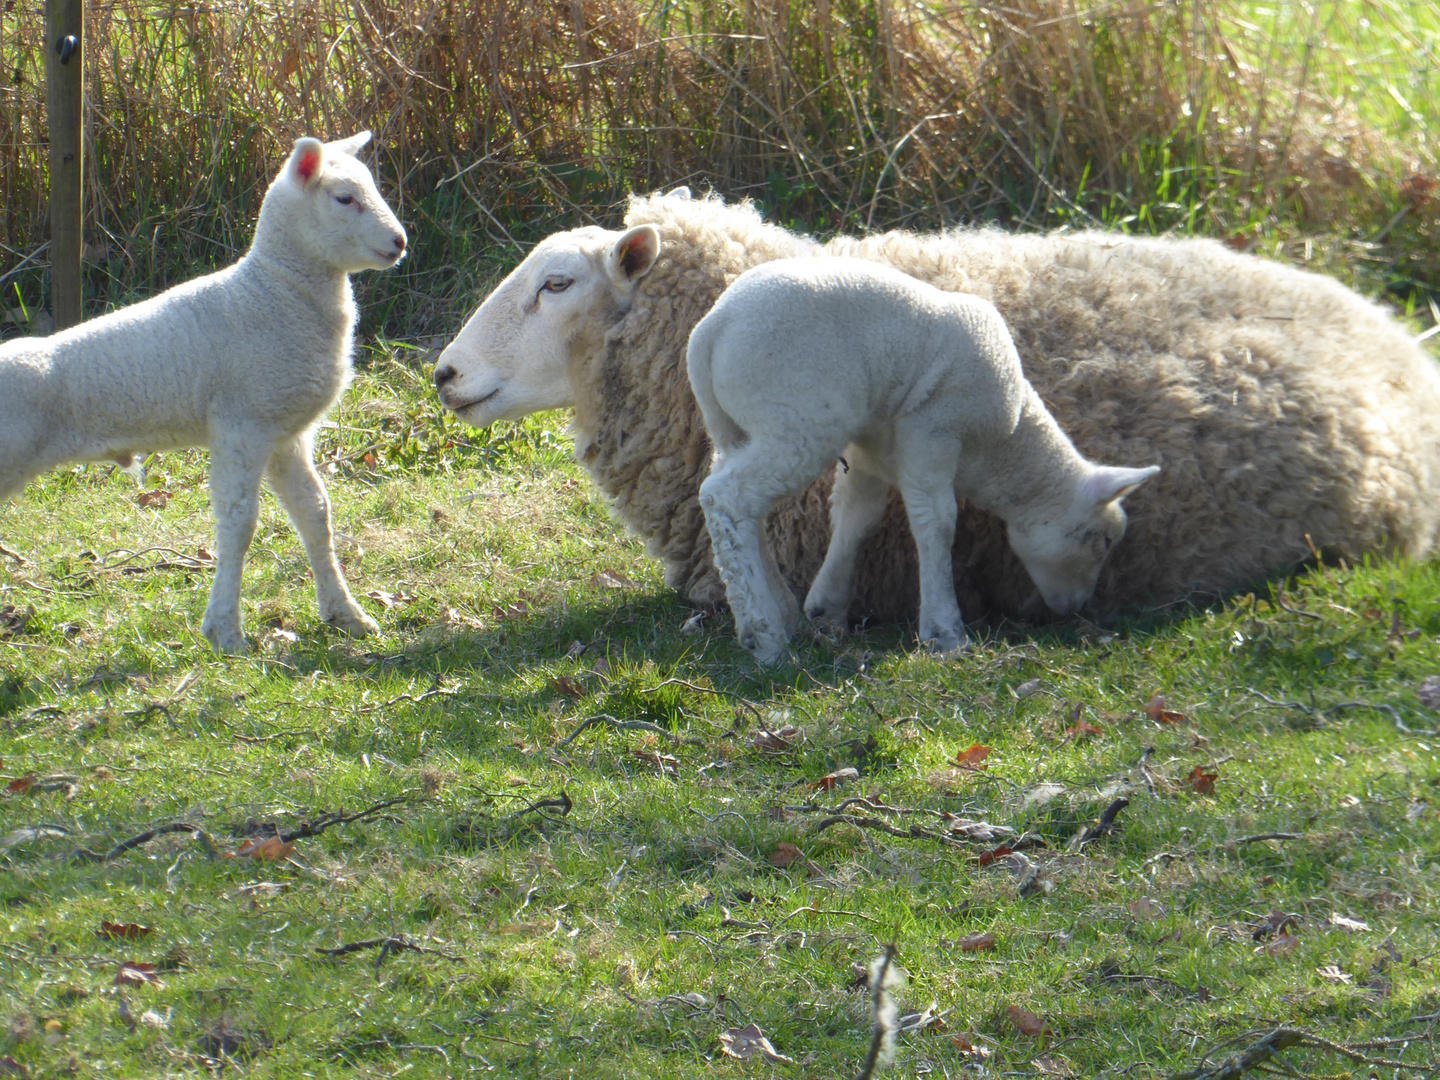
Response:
column 608, row 903
column 546, row 826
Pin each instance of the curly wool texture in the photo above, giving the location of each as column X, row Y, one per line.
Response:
column 1285, row 410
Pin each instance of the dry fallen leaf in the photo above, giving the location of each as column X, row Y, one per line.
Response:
column 563, row 684
column 22, row 785
column 1201, row 782
column 1340, row 922
column 612, row 579
column 1050, row 1066
column 830, row 781
column 982, row 832
column 132, row 973
column 128, row 931
column 787, row 738
column 1145, row 908
column 973, row 757
column 988, row 857
column 976, row 942
column 965, row 1046
column 1418, row 189
column 1332, row 973
column 1156, row 711
column 1026, row 1023
column 153, row 500
column 1429, row 692
column 1083, row 729
column 785, row 855
column 266, row 849
column 1284, row 944
column 747, row 1042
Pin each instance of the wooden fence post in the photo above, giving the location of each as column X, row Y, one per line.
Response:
column 65, row 101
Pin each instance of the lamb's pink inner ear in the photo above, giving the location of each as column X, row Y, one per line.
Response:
column 308, row 167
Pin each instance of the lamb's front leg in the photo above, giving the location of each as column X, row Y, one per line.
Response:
column 237, row 460
column 302, row 493
column 857, row 503
column 926, row 468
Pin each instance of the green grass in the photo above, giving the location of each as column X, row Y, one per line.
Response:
column 518, row 609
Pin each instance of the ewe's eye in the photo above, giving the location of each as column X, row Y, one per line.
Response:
column 557, row 284
column 345, row 200
column 1109, row 541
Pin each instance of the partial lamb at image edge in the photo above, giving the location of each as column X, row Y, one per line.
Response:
column 244, row 361
column 1287, row 413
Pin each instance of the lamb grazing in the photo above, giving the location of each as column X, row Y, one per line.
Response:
column 803, row 361
column 1284, row 409
column 244, row 361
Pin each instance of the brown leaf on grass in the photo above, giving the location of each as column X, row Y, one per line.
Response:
column 1156, row 711
column 22, row 785
column 1283, row 945
column 785, row 855
column 1429, row 692
column 1145, row 908
column 988, row 857
column 563, row 684
column 13, row 621
column 965, row 1046
column 156, row 499
column 10, row 1067
column 612, row 579
column 1332, row 973
column 747, row 1042
column 1418, row 189
column 1277, row 922
column 127, row 931
column 1026, row 1023
column 656, row 760
column 976, row 942
column 981, row 832
column 1051, row 1066
column 787, row 738
column 388, row 600
column 830, row 781
column 264, row 848
column 929, row 1020
column 1083, row 729
column 1340, row 922
column 973, row 757
column 133, row 973
column 1201, row 782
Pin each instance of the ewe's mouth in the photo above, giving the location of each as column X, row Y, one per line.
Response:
column 467, row 406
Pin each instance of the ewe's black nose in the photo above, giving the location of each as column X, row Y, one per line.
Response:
column 444, row 374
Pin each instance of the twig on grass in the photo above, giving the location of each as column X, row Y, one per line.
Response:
column 1283, row 1038
column 1105, row 824
column 914, row 832
column 325, row 821
column 20, row 560
column 386, row 945
column 1283, row 606
column 563, row 804
column 1268, row 836
column 144, row 838
column 618, row 725
column 435, row 691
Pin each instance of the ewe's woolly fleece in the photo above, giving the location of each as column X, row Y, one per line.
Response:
column 1281, row 406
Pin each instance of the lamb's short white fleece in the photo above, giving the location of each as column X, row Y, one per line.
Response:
column 244, row 361
column 803, row 361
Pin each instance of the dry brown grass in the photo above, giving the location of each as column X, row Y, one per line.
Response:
column 499, row 119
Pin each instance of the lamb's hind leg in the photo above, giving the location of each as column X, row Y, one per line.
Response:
column 302, row 493
column 857, row 503
column 237, row 460
column 739, row 492
column 926, row 468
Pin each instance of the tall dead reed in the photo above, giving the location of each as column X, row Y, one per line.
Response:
column 497, row 120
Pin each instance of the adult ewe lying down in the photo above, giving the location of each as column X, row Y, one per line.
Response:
column 244, row 361
column 803, row 360
column 1284, row 409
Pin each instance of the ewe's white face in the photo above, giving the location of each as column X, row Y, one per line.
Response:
column 1064, row 553
column 512, row 357
column 338, row 215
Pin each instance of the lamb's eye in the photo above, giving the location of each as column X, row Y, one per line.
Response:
column 1108, row 543
column 345, row 200
column 557, row 284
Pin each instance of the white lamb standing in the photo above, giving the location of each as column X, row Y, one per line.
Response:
column 803, row 361
column 244, row 361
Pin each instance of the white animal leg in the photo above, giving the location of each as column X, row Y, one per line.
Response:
column 927, row 465
column 302, row 493
column 739, row 492
column 857, row 503
column 237, row 460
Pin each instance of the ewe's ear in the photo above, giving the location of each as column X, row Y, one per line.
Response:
column 633, row 255
column 1109, row 482
column 306, row 161
column 351, row 145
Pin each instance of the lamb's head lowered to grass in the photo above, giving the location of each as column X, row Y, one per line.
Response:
column 803, row 361
column 513, row 357
column 244, row 361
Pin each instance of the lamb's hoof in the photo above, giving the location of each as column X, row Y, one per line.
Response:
column 946, row 643
column 226, row 638
column 352, row 621
column 827, row 619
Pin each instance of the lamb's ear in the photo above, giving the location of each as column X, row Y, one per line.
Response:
column 351, row 145
column 306, row 161
column 633, row 255
column 1110, row 482
column 681, row 192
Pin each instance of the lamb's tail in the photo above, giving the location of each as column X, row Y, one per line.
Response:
column 725, row 433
